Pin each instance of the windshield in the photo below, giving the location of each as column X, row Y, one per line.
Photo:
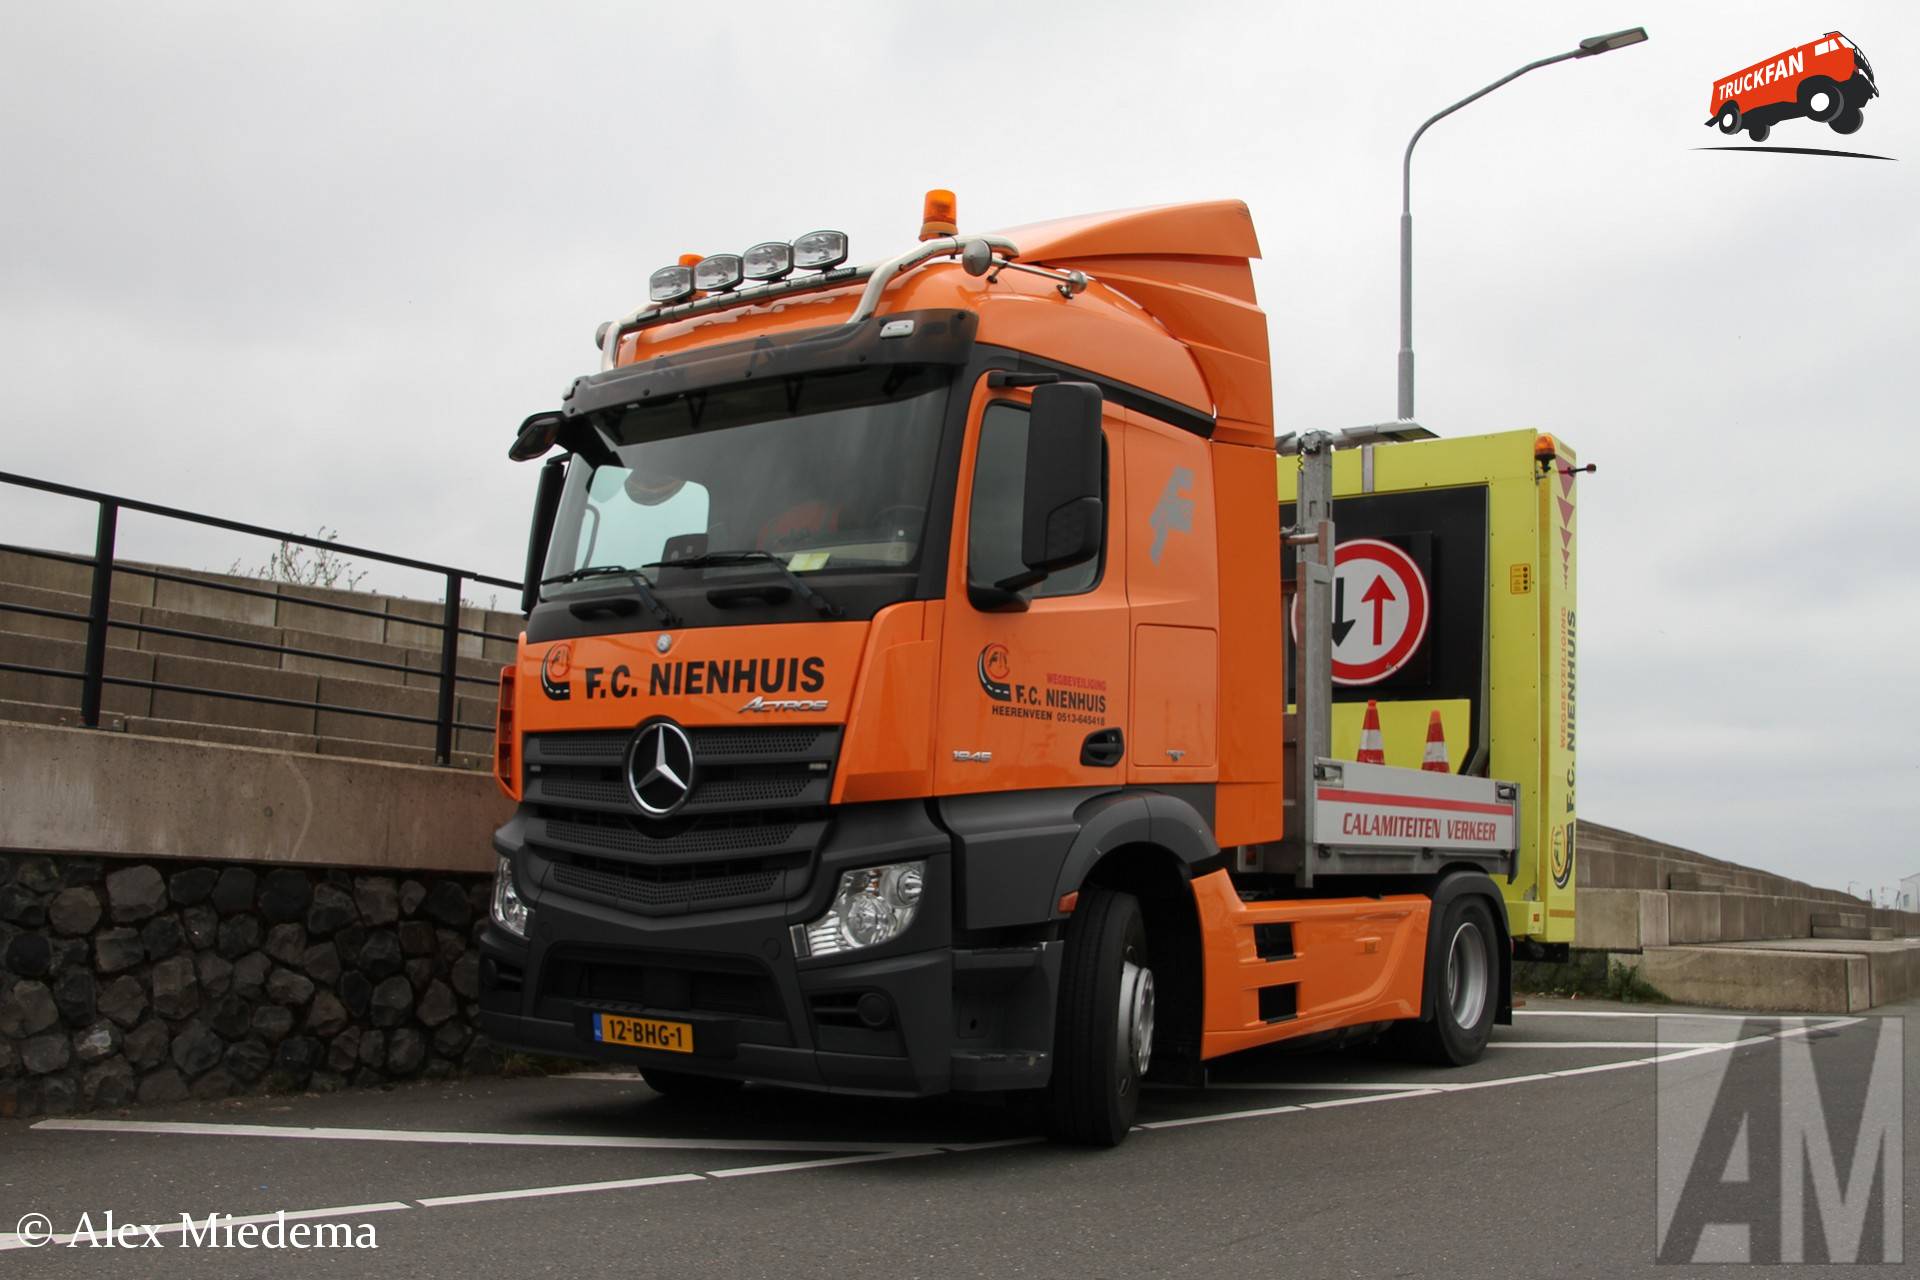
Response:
column 827, row 472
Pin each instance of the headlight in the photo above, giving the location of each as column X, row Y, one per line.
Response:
column 509, row 912
column 871, row 906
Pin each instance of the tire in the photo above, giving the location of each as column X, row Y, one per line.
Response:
column 1759, row 132
column 1466, row 988
column 1103, row 1027
column 683, row 1086
column 1848, row 121
column 1729, row 118
column 1818, row 87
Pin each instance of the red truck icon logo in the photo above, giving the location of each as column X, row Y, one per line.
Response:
column 1828, row 81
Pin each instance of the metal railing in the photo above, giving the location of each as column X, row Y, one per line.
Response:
column 98, row 618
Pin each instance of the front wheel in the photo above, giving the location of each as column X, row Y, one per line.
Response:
column 1465, row 986
column 1820, row 98
column 1848, row 121
column 1103, row 1035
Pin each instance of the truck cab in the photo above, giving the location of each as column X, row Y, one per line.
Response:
column 902, row 702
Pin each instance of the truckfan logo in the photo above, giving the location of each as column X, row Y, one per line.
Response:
column 660, row 768
column 1827, row 81
column 554, row 670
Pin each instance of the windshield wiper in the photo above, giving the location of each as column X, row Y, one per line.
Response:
column 712, row 559
column 642, row 587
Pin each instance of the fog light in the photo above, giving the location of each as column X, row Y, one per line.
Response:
column 871, row 906
column 509, row 912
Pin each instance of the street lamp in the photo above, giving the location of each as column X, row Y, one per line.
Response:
column 1587, row 49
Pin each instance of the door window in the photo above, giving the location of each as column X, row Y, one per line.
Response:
column 999, row 490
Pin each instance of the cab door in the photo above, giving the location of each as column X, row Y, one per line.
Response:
column 1034, row 697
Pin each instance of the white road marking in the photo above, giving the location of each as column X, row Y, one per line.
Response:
column 1670, row 1013
column 457, row 1137
column 1602, row 1044
column 529, row 1193
column 1439, row 1090
column 873, row 1152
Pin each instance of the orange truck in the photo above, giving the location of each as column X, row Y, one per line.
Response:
column 1826, row 80
column 906, row 702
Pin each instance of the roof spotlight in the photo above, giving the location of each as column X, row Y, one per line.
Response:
column 820, row 250
column 717, row 272
column 768, row 261
column 670, row 284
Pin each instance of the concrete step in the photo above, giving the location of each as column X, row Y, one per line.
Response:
column 242, row 736
column 1760, row 978
column 420, row 667
column 299, row 713
column 1838, row 924
column 399, row 621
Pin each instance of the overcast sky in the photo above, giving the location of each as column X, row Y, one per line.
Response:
column 311, row 264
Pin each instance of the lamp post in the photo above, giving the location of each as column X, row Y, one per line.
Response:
column 1587, row 48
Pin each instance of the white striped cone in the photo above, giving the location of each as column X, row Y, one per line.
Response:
column 1435, row 760
column 1372, row 750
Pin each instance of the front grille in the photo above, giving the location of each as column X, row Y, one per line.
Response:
column 659, row 887
column 748, row 833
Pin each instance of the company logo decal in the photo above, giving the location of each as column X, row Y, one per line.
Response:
column 1823, row 82
column 1066, row 698
column 784, row 704
column 996, row 668
column 1561, row 862
column 660, row 768
column 1173, row 513
column 554, row 670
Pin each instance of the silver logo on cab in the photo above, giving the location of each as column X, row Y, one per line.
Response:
column 660, row 768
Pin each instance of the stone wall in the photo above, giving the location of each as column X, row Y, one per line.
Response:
column 126, row 981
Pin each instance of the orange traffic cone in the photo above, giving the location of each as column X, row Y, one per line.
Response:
column 1372, row 750
column 1435, row 761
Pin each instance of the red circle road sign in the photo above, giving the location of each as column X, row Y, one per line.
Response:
column 1380, row 610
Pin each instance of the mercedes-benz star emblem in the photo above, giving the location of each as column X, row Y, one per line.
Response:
column 660, row 768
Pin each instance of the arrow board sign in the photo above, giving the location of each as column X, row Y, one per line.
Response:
column 1380, row 610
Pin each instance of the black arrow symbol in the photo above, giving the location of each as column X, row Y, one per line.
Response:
column 1341, row 622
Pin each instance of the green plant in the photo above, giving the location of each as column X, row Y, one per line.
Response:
column 307, row 566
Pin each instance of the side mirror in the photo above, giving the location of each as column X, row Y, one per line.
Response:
column 536, row 435
column 1064, row 515
column 546, row 505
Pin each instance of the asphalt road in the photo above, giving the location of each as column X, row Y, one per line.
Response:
column 1538, row 1160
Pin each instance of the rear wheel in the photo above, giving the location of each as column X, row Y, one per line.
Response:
column 1465, row 981
column 1103, row 1035
column 1848, row 121
column 684, row 1086
column 1759, row 132
column 1729, row 118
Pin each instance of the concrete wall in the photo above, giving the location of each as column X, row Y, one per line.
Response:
column 1634, row 893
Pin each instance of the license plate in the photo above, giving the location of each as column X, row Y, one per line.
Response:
column 643, row 1033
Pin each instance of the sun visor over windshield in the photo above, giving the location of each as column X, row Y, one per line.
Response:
column 907, row 337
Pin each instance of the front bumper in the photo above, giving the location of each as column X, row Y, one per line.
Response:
column 914, row 1017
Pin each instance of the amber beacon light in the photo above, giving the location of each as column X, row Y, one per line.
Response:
column 940, row 215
